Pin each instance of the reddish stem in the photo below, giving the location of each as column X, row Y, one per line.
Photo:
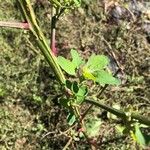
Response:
column 20, row 25
column 53, row 32
column 53, row 42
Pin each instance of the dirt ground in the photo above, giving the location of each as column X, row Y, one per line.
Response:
column 30, row 116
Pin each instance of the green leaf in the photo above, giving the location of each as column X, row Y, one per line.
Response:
column 64, row 102
column 2, row 92
column 55, row 3
column 37, row 98
column 81, row 94
column 66, row 65
column 75, row 87
column 71, row 118
column 70, row 66
column 68, row 84
column 87, row 73
column 139, row 136
column 97, row 62
column 94, row 70
column 82, row 91
column 76, row 59
column 77, row 3
column 104, row 77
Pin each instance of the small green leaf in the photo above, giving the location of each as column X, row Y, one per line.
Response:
column 139, row 136
column 77, row 3
column 81, row 94
column 68, row 84
column 120, row 129
column 104, row 77
column 87, row 74
column 66, row 65
column 82, row 91
column 2, row 92
column 94, row 70
column 71, row 118
column 37, row 98
column 97, row 62
column 75, row 87
column 64, row 102
column 76, row 59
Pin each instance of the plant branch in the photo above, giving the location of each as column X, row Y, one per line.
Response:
column 80, row 122
column 120, row 113
column 60, row 13
column 56, row 13
column 68, row 143
column 13, row 24
column 28, row 12
column 53, row 32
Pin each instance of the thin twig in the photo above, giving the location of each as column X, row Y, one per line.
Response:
column 48, row 133
column 93, row 145
column 60, row 13
column 31, row 46
column 68, row 143
column 80, row 122
column 60, row 134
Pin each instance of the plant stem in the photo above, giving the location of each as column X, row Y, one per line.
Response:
column 53, row 32
column 81, row 124
column 119, row 113
column 56, row 13
column 12, row 24
column 28, row 12
column 68, row 143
